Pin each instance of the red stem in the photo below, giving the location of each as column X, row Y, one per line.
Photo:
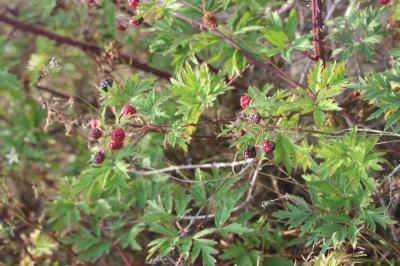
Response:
column 121, row 253
column 318, row 36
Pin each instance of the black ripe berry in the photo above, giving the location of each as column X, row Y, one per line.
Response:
column 99, row 157
column 109, row 82
column 95, row 133
column 255, row 118
column 250, row 152
column 105, row 84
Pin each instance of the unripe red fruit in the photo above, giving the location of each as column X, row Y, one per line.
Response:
column 99, row 157
column 118, row 135
column 136, row 22
column 94, row 123
column 245, row 101
column 133, row 3
column 255, row 118
column 250, row 152
column 115, row 145
column 384, row 2
column 268, row 146
column 95, row 133
column 128, row 110
column 120, row 26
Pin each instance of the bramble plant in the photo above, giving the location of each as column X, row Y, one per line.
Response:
column 199, row 132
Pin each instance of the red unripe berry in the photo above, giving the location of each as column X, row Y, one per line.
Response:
column 95, row 133
column 99, row 157
column 384, row 2
column 268, row 146
column 94, row 123
column 128, row 110
column 133, row 3
column 118, row 135
column 245, row 101
column 136, row 22
column 120, row 26
column 115, row 145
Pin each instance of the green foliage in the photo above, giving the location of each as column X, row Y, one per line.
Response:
column 283, row 37
column 324, row 83
column 382, row 90
column 341, row 186
column 357, row 33
column 195, row 90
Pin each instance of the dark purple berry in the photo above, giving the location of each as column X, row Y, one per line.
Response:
column 250, row 152
column 268, row 146
column 105, row 84
column 109, row 82
column 95, row 133
column 255, row 118
column 115, row 145
column 99, row 157
column 118, row 135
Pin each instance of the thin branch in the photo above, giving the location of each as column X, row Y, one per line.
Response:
column 252, row 59
column 192, row 166
column 54, row 92
column 253, row 181
column 87, row 47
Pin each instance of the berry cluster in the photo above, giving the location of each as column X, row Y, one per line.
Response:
column 117, row 135
column 250, row 152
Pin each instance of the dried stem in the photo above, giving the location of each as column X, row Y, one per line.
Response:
column 318, row 36
column 193, row 166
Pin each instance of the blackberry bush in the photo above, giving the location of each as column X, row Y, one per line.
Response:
column 220, row 132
